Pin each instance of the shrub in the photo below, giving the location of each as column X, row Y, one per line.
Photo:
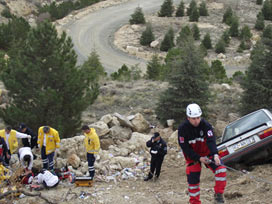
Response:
column 137, row 17
column 147, row 36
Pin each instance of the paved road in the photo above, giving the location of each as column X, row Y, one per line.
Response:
column 95, row 31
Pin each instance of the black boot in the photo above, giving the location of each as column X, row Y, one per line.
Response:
column 218, row 198
column 150, row 176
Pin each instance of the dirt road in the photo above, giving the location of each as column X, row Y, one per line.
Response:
column 95, row 31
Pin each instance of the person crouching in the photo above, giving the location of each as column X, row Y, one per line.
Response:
column 158, row 149
column 48, row 179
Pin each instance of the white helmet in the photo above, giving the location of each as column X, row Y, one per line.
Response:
column 193, row 110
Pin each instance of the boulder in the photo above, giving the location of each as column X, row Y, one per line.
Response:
column 106, row 118
column 120, row 133
column 139, row 123
column 173, row 140
column 124, row 162
column 100, row 127
column 123, row 120
column 105, row 143
column 74, row 161
column 154, row 44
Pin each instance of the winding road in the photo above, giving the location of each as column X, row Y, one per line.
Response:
column 95, row 31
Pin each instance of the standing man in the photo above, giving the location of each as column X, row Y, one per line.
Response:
column 158, row 149
column 92, row 146
column 33, row 143
column 197, row 141
column 10, row 136
column 48, row 141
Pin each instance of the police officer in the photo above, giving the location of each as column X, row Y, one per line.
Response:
column 24, row 129
column 197, row 141
column 158, row 149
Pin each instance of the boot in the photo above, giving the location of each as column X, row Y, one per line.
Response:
column 150, row 176
column 218, row 198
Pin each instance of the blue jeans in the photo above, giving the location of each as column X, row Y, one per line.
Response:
column 47, row 159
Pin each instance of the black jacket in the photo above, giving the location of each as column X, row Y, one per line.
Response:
column 3, row 147
column 34, row 139
column 158, row 148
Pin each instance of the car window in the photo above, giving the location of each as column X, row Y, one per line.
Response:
column 244, row 124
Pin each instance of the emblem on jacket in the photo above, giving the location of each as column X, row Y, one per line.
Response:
column 210, row 133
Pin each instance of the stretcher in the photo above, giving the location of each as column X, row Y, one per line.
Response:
column 84, row 181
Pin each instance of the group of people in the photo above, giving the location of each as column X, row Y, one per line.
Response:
column 48, row 141
column 198, row 144
column 195, row 137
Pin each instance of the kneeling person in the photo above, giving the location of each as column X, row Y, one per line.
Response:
column 48, row 179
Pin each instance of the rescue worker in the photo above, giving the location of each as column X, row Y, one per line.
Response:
column 158, row 149
column 92, row 147
column 33, row 143
column 197, row 141
column 49, row 142
column 3, row 151
column 10, row 136
column 26, row 158
column 48, row 179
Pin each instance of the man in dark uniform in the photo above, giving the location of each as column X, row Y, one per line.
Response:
column 24, row 129
column 197, row 141
column 3, row 151
column 158, row 149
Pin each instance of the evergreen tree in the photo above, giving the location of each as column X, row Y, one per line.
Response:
column 267, row 10
column 168, row 41
column 180, row 10
column 245, row 33
column 267, row 33
column 234, row 28
column 203, row 11
column 227, row 17
column 242, row 46
column 194, row 15
column 147, row 36
column 259, row 25
column 196, row 32
column 94, row 66
column 257, row 84
column 123, row 74
column 220, row 46
column 226, row 37
column 166, row 9
column 206, row 42
column 259, row 2
column 44, row 83
column 187, row 84
column 137, row 17
column 191, row 7
column 154, row 68
column 218, row 71
column 184, row 33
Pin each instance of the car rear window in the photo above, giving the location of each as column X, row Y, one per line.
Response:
column 244, row 124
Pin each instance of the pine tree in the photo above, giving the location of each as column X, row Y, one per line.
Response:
column 206, row 42
column 226, row 37
column 194, row 15
column 257, row 84
column 267, row 10
column 187, row 84
column 234, row 28
column 137, row 17
column 259, row 25
column 94, row 66
column 168, row 41
column 196, row 32
column 167, row 9
column 191, row 7
column 147, row 36
column 220, row 46
column 154, row 68
column 227, row 17
column 180, row 10
column 245, row 33
column 259, row 2
column 46, row 86
column 218, row 71
column 203, row 11
column 267, row 33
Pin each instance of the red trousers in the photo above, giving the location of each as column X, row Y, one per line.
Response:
column 193, row 172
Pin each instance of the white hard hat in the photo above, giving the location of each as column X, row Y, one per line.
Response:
column 193, row 110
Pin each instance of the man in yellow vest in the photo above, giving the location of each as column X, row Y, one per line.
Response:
column 92, row 146
column 48, row 141
column 10, row 136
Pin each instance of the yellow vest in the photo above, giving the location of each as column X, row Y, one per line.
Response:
column 91, row 142
column 52, row 140
column 12, row 140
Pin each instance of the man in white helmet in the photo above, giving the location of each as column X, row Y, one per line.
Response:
column 197, row 141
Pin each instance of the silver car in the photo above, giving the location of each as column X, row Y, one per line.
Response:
column 247, row 140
